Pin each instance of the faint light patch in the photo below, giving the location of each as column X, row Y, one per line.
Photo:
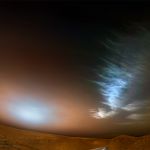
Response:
column 134, row 116
column 101, row 113
column 131, row 107
column 126, row 123
column 100, row 148
column 31, row 112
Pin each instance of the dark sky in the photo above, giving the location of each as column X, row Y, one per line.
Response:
column 75, row 68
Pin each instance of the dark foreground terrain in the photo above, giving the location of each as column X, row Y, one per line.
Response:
column 16, row 139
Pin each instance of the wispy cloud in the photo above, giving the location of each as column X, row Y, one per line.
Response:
column 131, row 107
column 102, row 113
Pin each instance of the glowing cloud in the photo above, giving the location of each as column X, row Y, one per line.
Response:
column 113, row 84
column 102, row 113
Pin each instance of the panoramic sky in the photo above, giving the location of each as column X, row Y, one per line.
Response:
column 78, row 69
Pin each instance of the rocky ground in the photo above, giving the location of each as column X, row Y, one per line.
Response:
column 16, row 139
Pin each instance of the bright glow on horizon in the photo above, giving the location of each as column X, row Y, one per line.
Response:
column 32, row 112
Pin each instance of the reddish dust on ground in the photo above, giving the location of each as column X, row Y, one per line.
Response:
column 17, row 139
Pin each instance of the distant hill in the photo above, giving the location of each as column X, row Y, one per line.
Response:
column 17, row 139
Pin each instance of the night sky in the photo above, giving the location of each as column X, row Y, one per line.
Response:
column 75, row 68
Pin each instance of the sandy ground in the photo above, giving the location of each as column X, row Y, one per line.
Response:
column 17, row 139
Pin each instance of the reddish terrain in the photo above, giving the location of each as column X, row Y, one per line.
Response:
column 16, row 139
